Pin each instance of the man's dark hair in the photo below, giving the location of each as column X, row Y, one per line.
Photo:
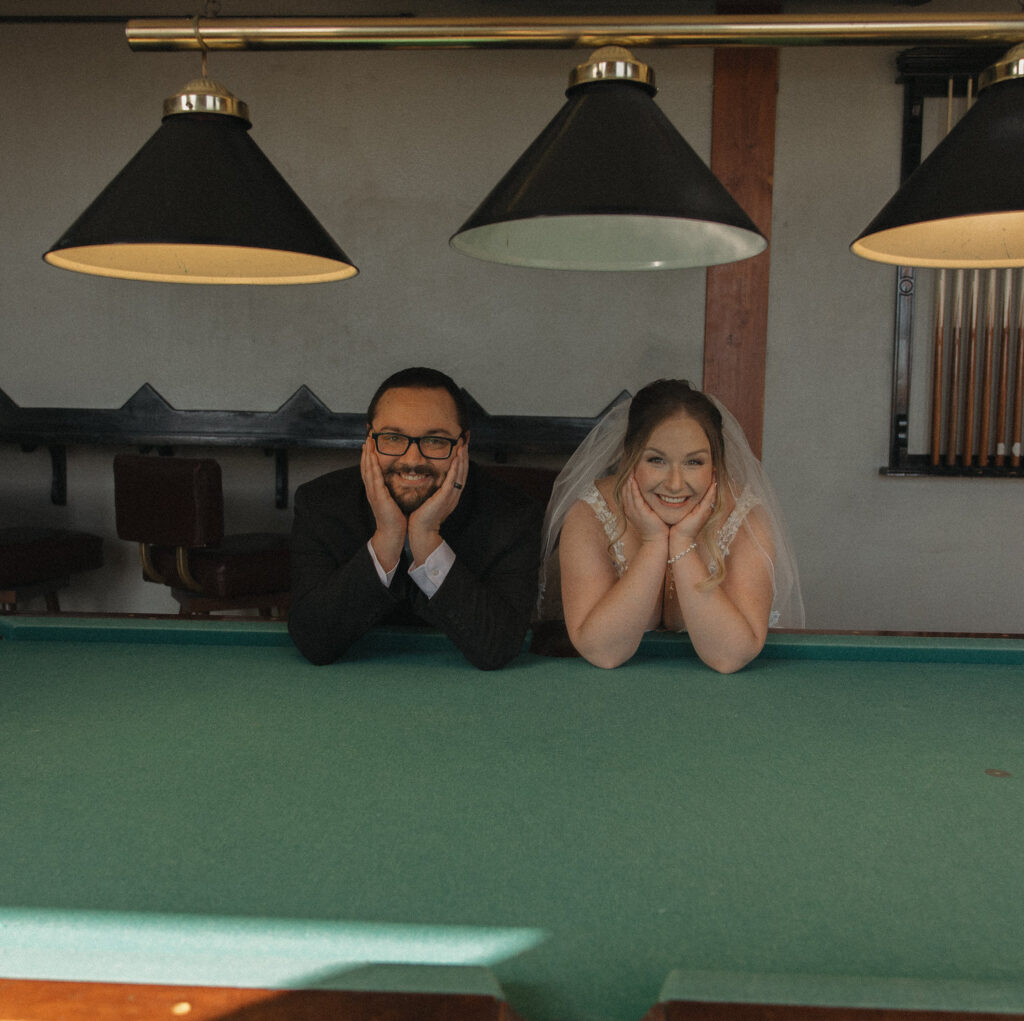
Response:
column 421, row 378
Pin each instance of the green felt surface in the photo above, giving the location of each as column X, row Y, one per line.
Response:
column 823, row 815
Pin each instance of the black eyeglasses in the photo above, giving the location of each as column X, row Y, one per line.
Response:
column 436, row 448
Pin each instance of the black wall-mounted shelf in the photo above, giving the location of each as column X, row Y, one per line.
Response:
column 148, row 422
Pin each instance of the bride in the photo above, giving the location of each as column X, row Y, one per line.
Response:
column 683, row 535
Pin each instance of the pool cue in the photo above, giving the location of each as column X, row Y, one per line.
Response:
column 969, row 363
column 939, row 354
column 953, row 394
column 988, row 352
column 971, row 372
column 938, row 359
column 1018, row 393
column 1004, row 369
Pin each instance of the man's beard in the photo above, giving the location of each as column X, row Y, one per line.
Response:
column 406, row 500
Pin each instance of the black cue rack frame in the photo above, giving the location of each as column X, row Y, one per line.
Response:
column 925, row 73
column 148, row 422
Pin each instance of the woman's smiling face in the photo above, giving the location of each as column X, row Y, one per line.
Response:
column 675, row 469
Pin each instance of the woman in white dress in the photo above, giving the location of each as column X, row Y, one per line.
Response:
column 683, row 535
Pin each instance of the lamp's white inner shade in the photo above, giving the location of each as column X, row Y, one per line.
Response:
column 985, row 241
column 200, row 264
column 609, row 242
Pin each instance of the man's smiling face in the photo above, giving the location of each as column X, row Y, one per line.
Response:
column 412, row 478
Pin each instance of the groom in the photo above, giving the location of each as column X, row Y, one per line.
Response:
column 415, row 534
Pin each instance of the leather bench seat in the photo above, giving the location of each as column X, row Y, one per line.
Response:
column 248, row 564
column 32, row 555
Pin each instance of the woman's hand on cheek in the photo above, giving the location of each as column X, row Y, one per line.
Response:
column 699, row 514
column 640, row 514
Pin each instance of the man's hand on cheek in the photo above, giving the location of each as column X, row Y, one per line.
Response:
column 391, row 524
column 425, row 522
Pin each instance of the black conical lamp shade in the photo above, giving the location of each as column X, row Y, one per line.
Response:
column 610, row 185
column 963, row 207
column 200, row 203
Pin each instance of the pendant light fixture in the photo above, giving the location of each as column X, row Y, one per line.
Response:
column 200, row 203
column 963, row 207
column 610, row 184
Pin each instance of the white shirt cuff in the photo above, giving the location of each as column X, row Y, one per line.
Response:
column 386, row 577
column 430, row 575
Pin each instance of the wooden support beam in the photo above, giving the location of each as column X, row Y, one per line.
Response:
column 736, row 304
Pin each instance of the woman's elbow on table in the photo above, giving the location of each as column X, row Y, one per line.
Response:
column 732, row 660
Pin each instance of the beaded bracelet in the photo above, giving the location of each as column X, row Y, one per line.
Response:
column 679, row 556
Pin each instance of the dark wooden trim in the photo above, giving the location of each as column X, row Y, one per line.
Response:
column 148, row 422
column 691, row 1010
column 736, row 303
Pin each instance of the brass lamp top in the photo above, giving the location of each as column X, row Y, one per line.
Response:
column 203, row 95
column 1010, row 65
column 612, row 63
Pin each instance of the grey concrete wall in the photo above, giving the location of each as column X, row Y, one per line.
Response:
column 392, row 151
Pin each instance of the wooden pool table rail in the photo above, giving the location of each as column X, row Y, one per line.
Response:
column 43, row 1000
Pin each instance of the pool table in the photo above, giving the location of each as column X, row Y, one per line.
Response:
column 190, row 813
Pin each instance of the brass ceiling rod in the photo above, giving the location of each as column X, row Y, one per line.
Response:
column 153, row 34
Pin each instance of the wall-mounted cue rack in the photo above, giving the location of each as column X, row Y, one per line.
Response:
column 977, row 344
column 148, row 422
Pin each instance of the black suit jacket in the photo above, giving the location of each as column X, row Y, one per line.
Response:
column 484, row 605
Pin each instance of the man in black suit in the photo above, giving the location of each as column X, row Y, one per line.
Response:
column 415, row 534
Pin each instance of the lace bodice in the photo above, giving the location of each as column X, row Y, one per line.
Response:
column 606, row 516
column 592, row 497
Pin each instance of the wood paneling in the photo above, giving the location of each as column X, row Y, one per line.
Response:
column 736, row 309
